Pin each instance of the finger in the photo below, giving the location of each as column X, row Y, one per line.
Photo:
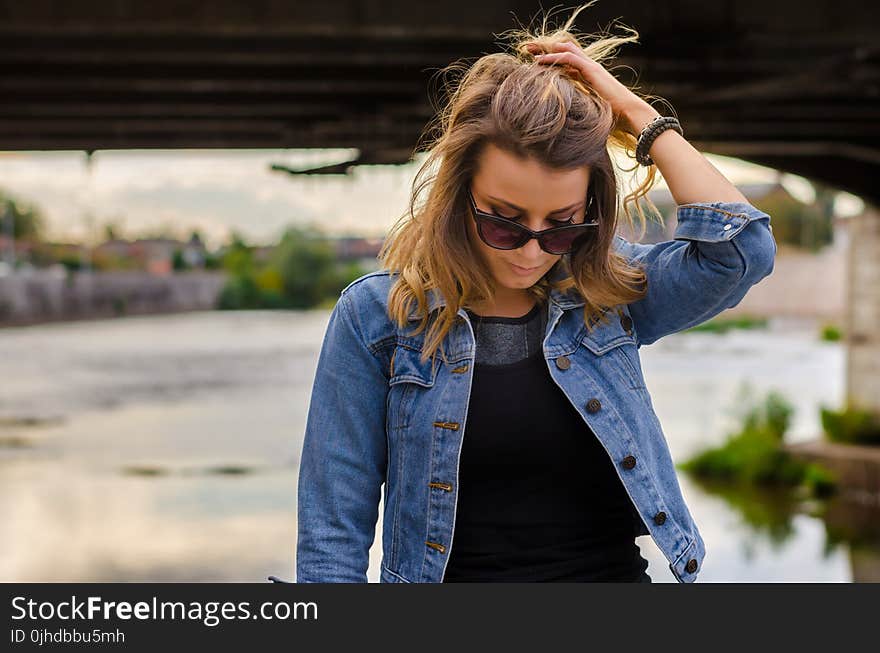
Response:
column 568, row 46
column 571, row 47
column 557, row 57
column 582, row 62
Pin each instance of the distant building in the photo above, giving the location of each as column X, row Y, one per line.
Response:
column 356, row 247
column 155, row 255
column 18, row 249
column 194, row 252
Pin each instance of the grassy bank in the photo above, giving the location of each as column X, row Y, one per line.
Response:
column 754, row 455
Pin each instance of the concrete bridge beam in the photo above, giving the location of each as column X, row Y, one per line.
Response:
column 863, row 311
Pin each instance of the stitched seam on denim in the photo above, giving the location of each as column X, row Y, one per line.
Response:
column 395, row 525
column 700, row 207
column 377, row 347
column 702, row 236
column 669, row 515
column 620, row 341
column 402, row 579
column 410, row 378
column 404, row 375
column 403, row 341
column 464, row 420
column 403, row 412
column 398, row 428
column 743, row 260
column 635, row 334
column 598, row 350
column 634, row 375
column 428, row 511
column 344, row 302
column 637, row 384
column 681, row 556
column 396, row 507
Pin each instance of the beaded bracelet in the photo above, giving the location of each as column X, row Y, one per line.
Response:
column 650, row 133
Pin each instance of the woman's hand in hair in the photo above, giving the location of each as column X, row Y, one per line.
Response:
column 631, row 110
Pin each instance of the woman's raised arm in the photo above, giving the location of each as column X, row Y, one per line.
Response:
column 722, row 244
column 690, row 176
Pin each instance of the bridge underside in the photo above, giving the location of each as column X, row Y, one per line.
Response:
column 784, row 83
column 788, row 84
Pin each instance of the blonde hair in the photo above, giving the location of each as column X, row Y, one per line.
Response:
column 548, row 113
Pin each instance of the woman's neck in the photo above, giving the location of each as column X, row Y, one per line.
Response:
column 505, row 306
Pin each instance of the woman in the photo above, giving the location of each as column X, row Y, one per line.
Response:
column 508, row 308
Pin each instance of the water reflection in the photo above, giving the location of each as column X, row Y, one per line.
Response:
column 767, row 512
column 166, row 449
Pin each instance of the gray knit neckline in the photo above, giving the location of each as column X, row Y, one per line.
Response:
column 505, row 340
column 498, row 319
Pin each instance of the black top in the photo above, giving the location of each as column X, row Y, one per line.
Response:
column 539, row 498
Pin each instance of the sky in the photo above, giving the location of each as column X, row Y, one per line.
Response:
column 220, row 191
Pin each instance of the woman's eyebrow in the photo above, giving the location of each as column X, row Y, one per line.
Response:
column 517, row 208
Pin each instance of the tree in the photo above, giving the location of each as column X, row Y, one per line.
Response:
column 804, row 225
column 177, row 260
column 307, row 263
column 110, row 232
column 27, row 219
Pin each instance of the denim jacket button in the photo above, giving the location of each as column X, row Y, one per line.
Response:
column 563, row 363
column 691, row 566
column 593, row 405
column 660, row 518
column 626, row 322
column 629, row 462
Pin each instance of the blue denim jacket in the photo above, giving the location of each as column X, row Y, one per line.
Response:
column 379, row 415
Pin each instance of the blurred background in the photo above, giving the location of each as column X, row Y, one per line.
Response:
column 185, row 188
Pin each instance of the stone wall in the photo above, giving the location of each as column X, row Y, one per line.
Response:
column 802, row 285
column 49, row 295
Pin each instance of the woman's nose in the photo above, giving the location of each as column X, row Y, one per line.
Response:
column 532, row 249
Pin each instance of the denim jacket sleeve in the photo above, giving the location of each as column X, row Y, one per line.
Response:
column 718, row 252
column 343, row 460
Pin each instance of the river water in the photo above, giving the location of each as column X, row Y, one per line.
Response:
column 165, row 448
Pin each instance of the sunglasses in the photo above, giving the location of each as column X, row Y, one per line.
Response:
column 503, row 233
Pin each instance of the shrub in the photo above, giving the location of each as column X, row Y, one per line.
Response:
column 852, row 425
column 755, row 454
column 726, row 324
column 830, row 333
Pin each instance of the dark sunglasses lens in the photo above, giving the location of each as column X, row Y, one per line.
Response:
column 500, row 235
column 563, row 241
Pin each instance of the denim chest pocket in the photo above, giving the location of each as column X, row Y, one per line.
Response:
column 406, row 366
column 408, row 376
column 614, row 347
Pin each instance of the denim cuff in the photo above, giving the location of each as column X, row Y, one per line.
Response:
column 715, row 222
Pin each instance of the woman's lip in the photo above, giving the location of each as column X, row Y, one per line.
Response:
column 522, row 270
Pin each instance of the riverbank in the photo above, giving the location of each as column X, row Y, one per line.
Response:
column 857, row 467
column 49, row 296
